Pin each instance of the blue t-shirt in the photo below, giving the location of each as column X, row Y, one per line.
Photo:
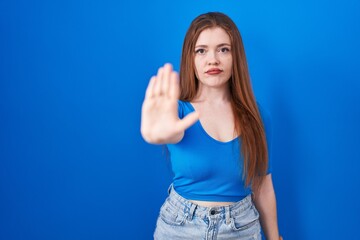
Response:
column 207, row 169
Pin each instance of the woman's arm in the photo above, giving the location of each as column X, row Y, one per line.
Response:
column 160, row 123
column 265, row 202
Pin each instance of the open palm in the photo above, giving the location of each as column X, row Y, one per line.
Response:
column 159, row 119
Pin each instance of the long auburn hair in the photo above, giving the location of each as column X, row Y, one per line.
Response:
column 247, row 118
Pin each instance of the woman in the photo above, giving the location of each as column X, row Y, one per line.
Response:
column 215, row 134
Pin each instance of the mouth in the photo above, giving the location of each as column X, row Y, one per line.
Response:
column 214, row 71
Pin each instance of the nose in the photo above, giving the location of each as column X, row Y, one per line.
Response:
column 212, row 58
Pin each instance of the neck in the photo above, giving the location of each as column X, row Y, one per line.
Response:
column 213, row 95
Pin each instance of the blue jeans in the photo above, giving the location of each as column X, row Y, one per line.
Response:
column 182, row 219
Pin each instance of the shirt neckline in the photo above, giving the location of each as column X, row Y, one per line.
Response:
column 206, row 133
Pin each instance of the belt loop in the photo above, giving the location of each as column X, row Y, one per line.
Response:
column 227, row 215
column 170, row 188
column 191, row 211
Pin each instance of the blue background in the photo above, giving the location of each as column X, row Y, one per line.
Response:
column 72, row 79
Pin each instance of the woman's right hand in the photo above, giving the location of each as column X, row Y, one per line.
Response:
column 160, row 123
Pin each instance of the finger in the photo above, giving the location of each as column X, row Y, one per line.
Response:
column 159, row 77
column 150, row 89
column 166, row 78
column 174, row 88
column 188, row 120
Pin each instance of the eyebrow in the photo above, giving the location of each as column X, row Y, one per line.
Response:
column 220, row 45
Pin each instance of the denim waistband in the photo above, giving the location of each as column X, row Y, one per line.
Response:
column 191, row 209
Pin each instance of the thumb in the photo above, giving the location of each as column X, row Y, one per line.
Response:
column 188, row 120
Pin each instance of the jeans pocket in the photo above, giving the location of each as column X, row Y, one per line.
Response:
column 172, row 216
column 247, row 221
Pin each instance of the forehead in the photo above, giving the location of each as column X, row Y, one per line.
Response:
column 213, row 36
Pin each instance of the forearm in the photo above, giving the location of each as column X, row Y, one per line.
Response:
column 265, row 202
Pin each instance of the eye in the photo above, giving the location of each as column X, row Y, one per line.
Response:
column 224, row 50
column 200, row 51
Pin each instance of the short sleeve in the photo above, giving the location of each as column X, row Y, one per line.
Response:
column 180, row 109
column 265, row 116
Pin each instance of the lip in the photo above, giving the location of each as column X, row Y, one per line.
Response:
column 214, row 71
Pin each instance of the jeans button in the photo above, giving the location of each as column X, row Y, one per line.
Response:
column 212, row 211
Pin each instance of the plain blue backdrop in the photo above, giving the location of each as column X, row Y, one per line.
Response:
column 72, row 79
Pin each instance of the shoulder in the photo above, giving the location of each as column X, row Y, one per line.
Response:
column 184, row 108
column 181, row 108
column 181, row 103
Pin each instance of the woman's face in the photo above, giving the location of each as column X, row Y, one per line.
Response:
column 213, row 58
